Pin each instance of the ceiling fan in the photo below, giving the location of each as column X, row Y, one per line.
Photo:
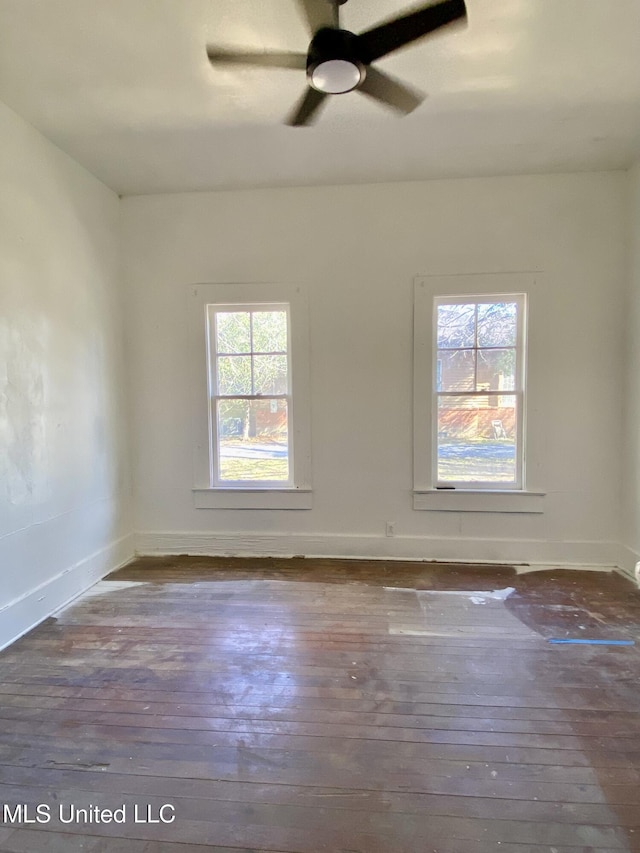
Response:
column 339, row 61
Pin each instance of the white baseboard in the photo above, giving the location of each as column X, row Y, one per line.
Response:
column 24, row 613
column 510, row 551
column 626, row 562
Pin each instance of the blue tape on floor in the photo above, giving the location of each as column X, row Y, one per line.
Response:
column 582, row 642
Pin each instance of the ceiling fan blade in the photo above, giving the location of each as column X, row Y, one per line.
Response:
column 259, row 59
column 395, row 34
column 306, row 108
column 320, row 13
column 390, row 91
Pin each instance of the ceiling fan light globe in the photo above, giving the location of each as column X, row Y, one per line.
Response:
column 336, row 76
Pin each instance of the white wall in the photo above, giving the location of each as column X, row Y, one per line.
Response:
column 630, row 553
column 64, row 481
column 357, row 249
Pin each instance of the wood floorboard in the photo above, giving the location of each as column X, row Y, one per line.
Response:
column 188, row 703
column 298, row 706
column 270, row 638
column 291, row 684
column 414, row 668
column 254, row 771
column 355, row 701
column 32, row 841
column 291, row 828
column 195, row 696
column 304, row 803
column 475, row 780
column 20, row 716
column 419, row 744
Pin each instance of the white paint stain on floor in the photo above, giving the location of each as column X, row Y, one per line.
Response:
column 454, row 613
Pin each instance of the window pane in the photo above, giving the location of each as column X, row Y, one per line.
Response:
column 457, row 370
column 253, row 440
column 234, row 374
column 477, row 439
column 232, row 332
column 497, row 324
column 456, row 326
column 270, row 374
column 270, row 331
column 496, row 370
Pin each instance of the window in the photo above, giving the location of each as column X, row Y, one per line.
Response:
column 479, row 391
column 250, row 395
column 469, row 418
column 250, row 364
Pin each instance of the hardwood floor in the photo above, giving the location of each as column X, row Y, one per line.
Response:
column 315, row 705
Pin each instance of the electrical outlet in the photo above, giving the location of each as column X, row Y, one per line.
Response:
column 390, row 528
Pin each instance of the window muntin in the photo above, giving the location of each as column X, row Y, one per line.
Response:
column 478, row 383
column 250, row 395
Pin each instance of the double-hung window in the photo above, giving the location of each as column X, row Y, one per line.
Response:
column 470, row 432
column 478, row 388
column 250, row 363
column 250, row 394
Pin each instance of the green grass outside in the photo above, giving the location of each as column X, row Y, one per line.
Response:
column 253, row 469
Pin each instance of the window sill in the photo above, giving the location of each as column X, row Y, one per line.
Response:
column 253, row 498
column 478, row 500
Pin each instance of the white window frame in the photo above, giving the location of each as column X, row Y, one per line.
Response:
column 519, row 391
column 216, row 482
column 209, row 491
column 464, row 497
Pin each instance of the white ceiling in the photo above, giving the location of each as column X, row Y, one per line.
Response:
column 124, row 86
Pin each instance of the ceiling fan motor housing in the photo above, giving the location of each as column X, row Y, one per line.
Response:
column 333, row 62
